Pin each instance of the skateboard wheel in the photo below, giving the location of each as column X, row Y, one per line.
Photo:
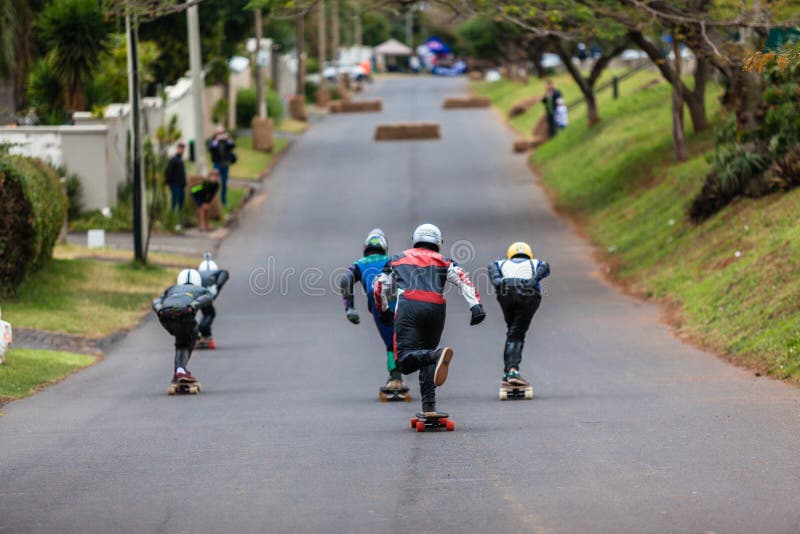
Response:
column 407, row 397
column 443, row 421
column 420, row 426
column 529, row 394
column 503, row 395
column 383, row 397
column 451, row 425
column 414, row 422
column 171, row 391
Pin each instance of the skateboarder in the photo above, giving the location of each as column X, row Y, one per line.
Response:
column 176, row 310
column 516, row 280
column 416, row 279
column 214, row 279
column 366, row 270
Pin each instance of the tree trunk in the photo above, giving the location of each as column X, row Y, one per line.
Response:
column 300, row 81
column 536, row 58
column 695, row 100
column 678, row 133
column 747, row 99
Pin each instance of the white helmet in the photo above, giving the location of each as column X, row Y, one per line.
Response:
column 376, row 239
column 190, row 277
column 427, row 233
column 207, row 264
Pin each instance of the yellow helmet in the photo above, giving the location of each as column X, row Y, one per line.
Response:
column 519, row 248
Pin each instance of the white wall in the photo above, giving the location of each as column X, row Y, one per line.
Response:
column 83, row 150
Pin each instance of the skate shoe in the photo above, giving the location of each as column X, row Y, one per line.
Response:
column 211, row 344
column 440, row 375
column 513, row 378
column 185, row 378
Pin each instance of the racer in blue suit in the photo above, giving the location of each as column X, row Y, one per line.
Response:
column 365, row 270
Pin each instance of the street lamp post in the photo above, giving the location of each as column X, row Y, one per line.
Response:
column 196, row 67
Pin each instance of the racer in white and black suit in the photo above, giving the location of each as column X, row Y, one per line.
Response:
column 516, row 280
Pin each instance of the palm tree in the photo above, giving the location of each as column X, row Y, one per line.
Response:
column 75, row 34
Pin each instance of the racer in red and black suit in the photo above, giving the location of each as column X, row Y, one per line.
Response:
column 416, row 279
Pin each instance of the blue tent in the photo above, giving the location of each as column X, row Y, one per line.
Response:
column 437, row 46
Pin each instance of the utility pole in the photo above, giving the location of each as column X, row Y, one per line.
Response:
column 139, row 206
column 335, row 33
column 198, row 84
column 261, row 102
column 322, row 53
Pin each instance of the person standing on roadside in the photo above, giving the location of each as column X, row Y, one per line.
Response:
column 550, row 101
column 175, row 177
column 203, row 193
column 222, row 156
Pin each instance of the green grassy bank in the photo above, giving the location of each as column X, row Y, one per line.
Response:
column 24, row 370
column 730, row 282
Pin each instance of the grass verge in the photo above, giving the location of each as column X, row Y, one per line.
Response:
column 163, row 259
column 25, row 371
column 251, row 164
column 730, row 283
column 91, row 298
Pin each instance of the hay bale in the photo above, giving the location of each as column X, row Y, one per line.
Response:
column 356, row 106
column 522, row 107
column 262, row 134
column 297, row 108
column 358, row 87
column 215, row 208
column 541, row 131
column 407, row 131
column 466, row 102
column 335, row 106
column 475, row 75
column 522, row 145
column 347, row 81
column 323, row 96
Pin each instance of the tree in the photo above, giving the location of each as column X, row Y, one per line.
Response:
column 76, row 35
column 111, row 82
column 376, row 28
column 559, row 22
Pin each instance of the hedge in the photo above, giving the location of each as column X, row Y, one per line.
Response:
column 34, row 208
column 246, row 106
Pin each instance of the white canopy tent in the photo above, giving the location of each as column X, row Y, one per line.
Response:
column 390, row 49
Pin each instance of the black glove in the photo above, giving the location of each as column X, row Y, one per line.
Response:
column 352, row 315
column 478, row 315
column 387, row 317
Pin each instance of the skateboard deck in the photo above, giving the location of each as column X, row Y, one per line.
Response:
column 509, row 391
column 184, row 388
column 392, row 395
column 205, row 343
column 440, row 421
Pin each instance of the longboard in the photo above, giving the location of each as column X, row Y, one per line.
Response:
column 205, row 343
column 439, row 421
column 184, row 388
column 509, row 391
column 392, row 394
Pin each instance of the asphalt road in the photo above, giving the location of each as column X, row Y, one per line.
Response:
column 630, row 431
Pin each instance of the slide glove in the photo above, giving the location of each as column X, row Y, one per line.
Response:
column 478, row 315
column 213, row 290
column 352, row 315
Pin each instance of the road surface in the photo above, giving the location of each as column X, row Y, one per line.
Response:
column 631, row 431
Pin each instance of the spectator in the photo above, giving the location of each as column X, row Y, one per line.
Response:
column 550, row 98
column 562, row 116
column 203, row 193
column 175, row 176
column 221, row 147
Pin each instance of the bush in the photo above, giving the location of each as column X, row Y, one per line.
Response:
column 220, row 112
column 310, row 90
column 275, row 109
column 312, row 65
column 74, row 196
column 34, row 210
column 246, row 106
